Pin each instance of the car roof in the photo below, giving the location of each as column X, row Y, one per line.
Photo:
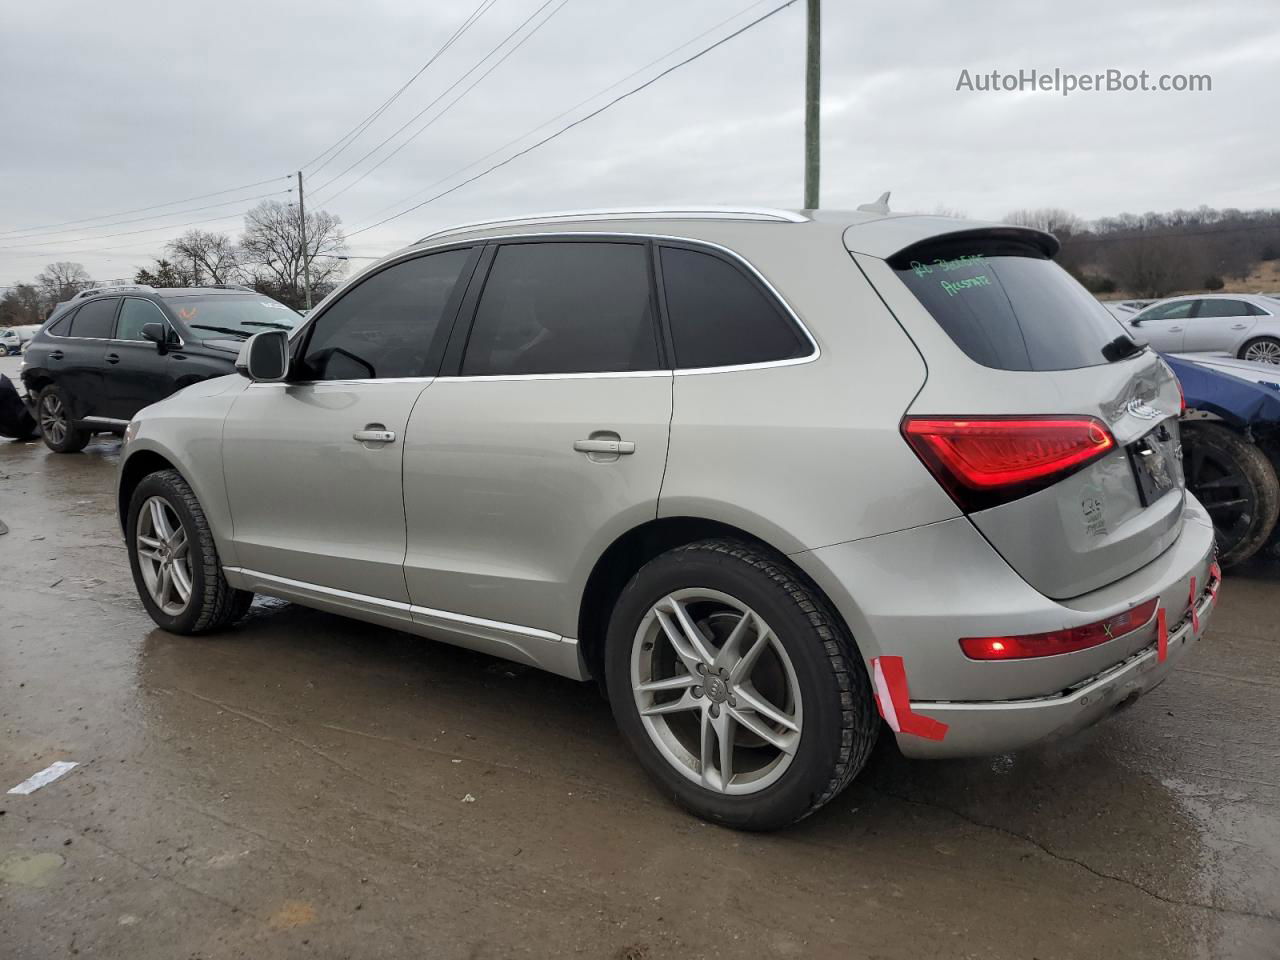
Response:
column 871, row 229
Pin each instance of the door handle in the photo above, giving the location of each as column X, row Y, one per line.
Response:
column 604, row 446
column 113, row 358
column 1175, row 329
column 374, row 434
column 1239, row 326
column 56, row 355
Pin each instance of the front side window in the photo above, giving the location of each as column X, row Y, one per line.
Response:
column 95, row 319
column 388, row 325
column 564, row 307
column 134, row 314
column 1178, row 310
column 720, row 317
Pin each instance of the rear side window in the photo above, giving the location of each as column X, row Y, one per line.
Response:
column 564, row 307
column 62, row 327
column 720, row 317
column 1223, row 308
column 95, row 319
column 1009, row 306
column 388, row 326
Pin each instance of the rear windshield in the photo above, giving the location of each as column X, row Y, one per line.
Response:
column 1008, row 306
column 229, row 315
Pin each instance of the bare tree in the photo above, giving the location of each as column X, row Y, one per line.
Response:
column 1055, row 220
column 21, row 305
column 210, row 257
column 1154, row 266
column 165, row 273
column 271, row 249
column 62, row 281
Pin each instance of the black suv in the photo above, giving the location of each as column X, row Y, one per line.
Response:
column 107, row 353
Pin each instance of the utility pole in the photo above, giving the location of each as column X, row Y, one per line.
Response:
column 812, row 98
column 306, row 260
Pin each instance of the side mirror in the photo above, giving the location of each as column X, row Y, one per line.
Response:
column 1135, row 322
column 156, row 333
column 264, row 358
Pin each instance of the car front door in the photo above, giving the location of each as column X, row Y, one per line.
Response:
column 313, row 465
column 547, row 440
column 136, row 371
column 1220, row 324
column 1164, row 325
column 75, row 359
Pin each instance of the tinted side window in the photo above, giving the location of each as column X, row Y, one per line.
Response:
column 133, row 314
column 62, row 327
column 387, row 326
column 564, row 308
column 720, row 317
column 1168, row 311
column 95, row 319
column 1223, row 308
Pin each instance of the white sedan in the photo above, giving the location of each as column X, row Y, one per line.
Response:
column 1241, row 324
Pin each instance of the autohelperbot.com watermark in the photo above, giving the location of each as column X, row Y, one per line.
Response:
column 1067, row 82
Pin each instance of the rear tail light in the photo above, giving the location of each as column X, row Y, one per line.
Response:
column 1058, row 641
column 986, row 461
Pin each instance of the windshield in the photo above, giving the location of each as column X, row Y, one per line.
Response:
column 212, row 318
column 1010, row 307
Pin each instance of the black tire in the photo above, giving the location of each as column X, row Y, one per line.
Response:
column 1270, row 343
column 53, row 408
column 213, row 603
column 1236, row 483
column 840, row 722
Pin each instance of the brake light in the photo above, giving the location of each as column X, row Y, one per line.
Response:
column 986, row 461
column 1059, row 641
column 1182, row 398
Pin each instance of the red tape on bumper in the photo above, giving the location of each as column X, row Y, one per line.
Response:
column 889, row 678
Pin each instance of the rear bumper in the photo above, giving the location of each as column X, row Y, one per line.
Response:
column 913, row 594
column 981, row 729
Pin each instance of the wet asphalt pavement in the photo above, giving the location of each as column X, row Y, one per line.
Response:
column 309, row 786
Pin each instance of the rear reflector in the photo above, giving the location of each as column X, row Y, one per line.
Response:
column 986, row 461
column 1058, row 641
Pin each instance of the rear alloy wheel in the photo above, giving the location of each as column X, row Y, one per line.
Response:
column 54, row 414
column 1262, row 350
column 737, row 686
column 1237, row 485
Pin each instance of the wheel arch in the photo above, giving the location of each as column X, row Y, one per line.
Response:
column 133, row 470
column 632, row 550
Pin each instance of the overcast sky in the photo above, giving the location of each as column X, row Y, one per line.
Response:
column 114, row 106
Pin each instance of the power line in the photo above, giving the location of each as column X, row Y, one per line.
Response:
column 156, row 206
column 503, row 42
column 171, row 213
column 354, row 133
column 129, row 233
column 564, row 113
column 422, row 129
column 565, row 129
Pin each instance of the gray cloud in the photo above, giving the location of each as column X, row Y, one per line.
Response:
column 113, row 106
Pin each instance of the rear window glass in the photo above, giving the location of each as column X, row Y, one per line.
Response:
column 1009, row 306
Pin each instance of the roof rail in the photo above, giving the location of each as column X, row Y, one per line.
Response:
column 106, row 288
column 227, row 286
column 767, row 214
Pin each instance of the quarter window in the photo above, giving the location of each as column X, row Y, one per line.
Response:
column 564, row 307
column 95, row 319
column 720, row 317
column 388, row 326
column 134, row 314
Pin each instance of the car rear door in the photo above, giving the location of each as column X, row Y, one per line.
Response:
column 1218, row 325
column 546, row 441
column 313, row 465
column 76, row 358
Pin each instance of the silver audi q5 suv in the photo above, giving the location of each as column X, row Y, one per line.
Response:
column 775, row 480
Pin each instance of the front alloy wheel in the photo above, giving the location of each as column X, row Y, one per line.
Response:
column 164, row 556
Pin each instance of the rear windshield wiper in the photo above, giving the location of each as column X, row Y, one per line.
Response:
column 1121, row 348
column 233, row 331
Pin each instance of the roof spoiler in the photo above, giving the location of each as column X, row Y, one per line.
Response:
column 896, row 238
